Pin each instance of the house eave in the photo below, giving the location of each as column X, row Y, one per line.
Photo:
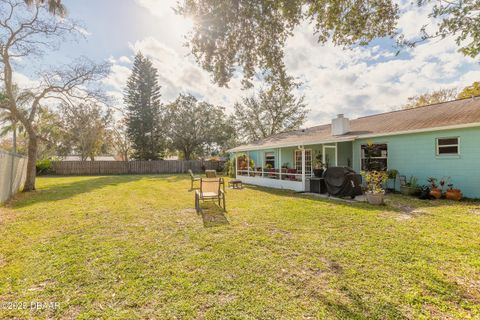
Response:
column 353, row 138
column 287, row 145
column 442, row 128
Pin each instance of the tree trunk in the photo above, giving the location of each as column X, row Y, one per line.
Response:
column 186, row 154
column 31, row 163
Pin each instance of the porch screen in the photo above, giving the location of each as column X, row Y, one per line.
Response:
column 374, row 157
column 308, row 161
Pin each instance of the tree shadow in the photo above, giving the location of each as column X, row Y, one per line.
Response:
column 62, row 191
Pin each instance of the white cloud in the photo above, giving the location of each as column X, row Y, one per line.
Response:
column 356, row 82
column 159, row 8
column 178, row 73
column 372, row 79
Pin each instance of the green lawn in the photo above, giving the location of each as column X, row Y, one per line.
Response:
column 128, row 247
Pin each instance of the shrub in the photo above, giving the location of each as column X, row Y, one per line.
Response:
column 375, row 180
column 44, row 167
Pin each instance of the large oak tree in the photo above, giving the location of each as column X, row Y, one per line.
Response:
column 25, row 33
column 249, row 36
column 196, row 128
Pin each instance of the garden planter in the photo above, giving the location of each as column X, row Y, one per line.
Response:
column 375, row 198
column 436, row 193
column 453, row 194
column 408, row 191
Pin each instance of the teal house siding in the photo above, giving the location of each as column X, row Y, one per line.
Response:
column 416, row 155
column 345, row 154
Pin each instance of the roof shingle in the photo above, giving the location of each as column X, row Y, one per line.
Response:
column 452, row 113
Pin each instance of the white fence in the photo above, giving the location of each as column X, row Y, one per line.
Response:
column 13, row 171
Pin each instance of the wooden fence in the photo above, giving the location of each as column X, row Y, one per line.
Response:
column 133, row 167
column 13, row 171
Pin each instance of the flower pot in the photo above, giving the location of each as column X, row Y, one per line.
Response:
column 408, row 191
column 436, row 193
column 375, row 198
column 453, row 194
column 318, row 172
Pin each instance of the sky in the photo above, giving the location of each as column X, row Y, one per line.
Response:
column 356, row 82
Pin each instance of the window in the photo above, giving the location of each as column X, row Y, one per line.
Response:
column 448, row 146
column 308, row 161
column 270, row 159
column 374, row 157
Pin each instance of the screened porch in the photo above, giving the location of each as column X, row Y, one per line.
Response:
column 290, row 167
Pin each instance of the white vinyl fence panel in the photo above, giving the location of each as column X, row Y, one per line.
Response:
column 13, row 171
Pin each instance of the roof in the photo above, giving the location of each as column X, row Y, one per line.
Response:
column 451, row 114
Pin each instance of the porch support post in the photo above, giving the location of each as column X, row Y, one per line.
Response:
column 236, row 165
column 248, row 163
column 262, row 157
column 303, row 168
column 323, row 155
column 336, row 154
column 280, row 163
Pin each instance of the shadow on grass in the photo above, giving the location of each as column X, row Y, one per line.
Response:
column 212, row 215
column 62, row 191
column 394, row 202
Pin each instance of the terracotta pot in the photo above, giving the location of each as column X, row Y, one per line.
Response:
column 454, row 194
column 436, row 193
column 375, row 198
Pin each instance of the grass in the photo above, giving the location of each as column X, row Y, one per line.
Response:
column 128, row 247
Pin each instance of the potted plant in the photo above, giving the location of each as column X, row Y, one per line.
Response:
column 452, row 193
column 318, row 166
column 392, row 175
column 434, row 190
column 375, row 181
column 410, row 188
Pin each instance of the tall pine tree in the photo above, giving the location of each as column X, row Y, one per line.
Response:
column 143, row 120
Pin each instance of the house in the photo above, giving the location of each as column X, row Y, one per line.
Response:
column 440, row 140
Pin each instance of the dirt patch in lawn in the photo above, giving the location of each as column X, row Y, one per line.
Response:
column 403, row 212
column 475, row 211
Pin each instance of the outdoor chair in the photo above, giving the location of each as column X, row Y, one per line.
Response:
column 210, row 189
column 211, row 173
column 193, row 178
column 291, row 176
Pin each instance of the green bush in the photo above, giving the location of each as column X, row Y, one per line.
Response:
column 44, row 167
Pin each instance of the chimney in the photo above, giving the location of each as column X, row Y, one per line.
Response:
column 340, row 125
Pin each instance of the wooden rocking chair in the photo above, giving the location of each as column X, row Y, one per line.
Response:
column 210, row 189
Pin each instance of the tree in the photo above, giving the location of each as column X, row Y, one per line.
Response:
column 196, row 128
column 120, row 140
column 234, row 35
column 25, row 32
column 274, row 110
column 9, row 125
column 85, row 129
column 143, row 118
column 457, row 18
column 249, row 36
column 470, row 91
column 54, row 6
column 438, row 96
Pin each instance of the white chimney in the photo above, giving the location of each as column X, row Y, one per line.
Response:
column 340, row 125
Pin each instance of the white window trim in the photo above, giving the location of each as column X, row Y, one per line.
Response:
column 311, row 159
column 447, row 145
column 361, row 154
column 265, row 158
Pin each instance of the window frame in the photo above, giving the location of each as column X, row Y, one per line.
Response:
column 437, row 147
column 362, row 155
column 265, row 158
